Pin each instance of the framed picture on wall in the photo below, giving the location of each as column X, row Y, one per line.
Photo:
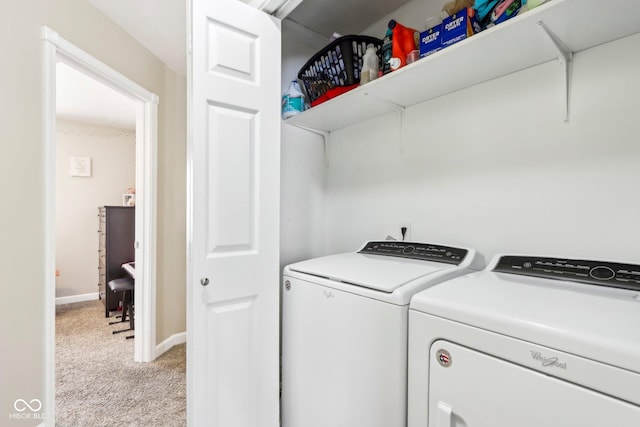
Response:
column 80, row 166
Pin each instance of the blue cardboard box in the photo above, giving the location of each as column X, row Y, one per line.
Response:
column 459, row 26
column 431, row 40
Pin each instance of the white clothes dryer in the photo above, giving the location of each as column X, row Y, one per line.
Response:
column 344, row 331
column 530, row 341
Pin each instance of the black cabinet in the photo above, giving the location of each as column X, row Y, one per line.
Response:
column 116, row 236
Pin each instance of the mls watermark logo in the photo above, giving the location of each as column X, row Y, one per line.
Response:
column 27, row 410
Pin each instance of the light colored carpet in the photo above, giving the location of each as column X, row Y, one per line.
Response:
column 99, row 384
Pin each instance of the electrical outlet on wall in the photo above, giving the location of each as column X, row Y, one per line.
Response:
column 405, row 226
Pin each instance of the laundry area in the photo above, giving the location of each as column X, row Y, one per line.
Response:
column 517, row 144
column 457, row 222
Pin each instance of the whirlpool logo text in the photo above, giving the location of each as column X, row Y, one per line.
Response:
column 548, row 361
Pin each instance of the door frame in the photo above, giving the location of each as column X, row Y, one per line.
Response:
column 57, row 49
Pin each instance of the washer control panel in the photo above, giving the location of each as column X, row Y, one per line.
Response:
column 603, row 273
column 421, row 251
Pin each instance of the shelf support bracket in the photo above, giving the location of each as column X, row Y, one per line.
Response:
column 565, row 58
column 400, row 109
column 326, row 137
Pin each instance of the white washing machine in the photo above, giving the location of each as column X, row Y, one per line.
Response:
column 530, row 341
column 344, row 331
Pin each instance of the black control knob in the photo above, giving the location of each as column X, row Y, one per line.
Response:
column 602, row 273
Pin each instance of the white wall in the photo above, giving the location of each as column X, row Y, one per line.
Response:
column 302, row 161
column 302, row 175
column 495, row 168
column 413, row 15
column 298, row 46
column 112, row 153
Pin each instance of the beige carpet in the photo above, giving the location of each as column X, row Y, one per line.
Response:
column 99, row 384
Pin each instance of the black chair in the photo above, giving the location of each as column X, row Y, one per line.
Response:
column 125, row 285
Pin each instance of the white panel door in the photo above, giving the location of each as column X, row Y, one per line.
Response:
column 234, row 169
column 472, row 389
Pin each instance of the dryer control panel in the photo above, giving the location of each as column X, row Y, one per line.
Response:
column 617, row 275
column 412, row 250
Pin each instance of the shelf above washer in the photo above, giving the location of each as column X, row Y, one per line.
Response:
column 504, row 49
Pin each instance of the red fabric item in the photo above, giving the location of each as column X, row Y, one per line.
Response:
column 332, row 93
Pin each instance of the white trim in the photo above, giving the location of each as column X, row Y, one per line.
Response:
column 77, row 298
column 189, row 214
column 58, row 49
column 173, row 340
column 288, row 7
column 267, row 6
column 81, row 60
column 49, row 130
column 279, row 8
column 146, row 165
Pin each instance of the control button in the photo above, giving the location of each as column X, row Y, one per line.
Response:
column 408, row 250
column 602, row 273
column 527, row 265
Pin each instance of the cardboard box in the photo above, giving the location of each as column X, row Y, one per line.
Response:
column 459, row 26
column 431, row 40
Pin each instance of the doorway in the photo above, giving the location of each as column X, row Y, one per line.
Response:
column 95, row 155
column 57, row 49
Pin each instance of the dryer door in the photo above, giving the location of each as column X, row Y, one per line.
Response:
column 469, row 388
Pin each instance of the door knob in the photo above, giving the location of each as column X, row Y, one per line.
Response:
column 204, row 281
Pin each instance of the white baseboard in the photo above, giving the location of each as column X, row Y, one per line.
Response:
column 76, row 298
column 165, row 345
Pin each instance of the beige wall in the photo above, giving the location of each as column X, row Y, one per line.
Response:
column 22, row 179
column 172, row 216
column 113, row 169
